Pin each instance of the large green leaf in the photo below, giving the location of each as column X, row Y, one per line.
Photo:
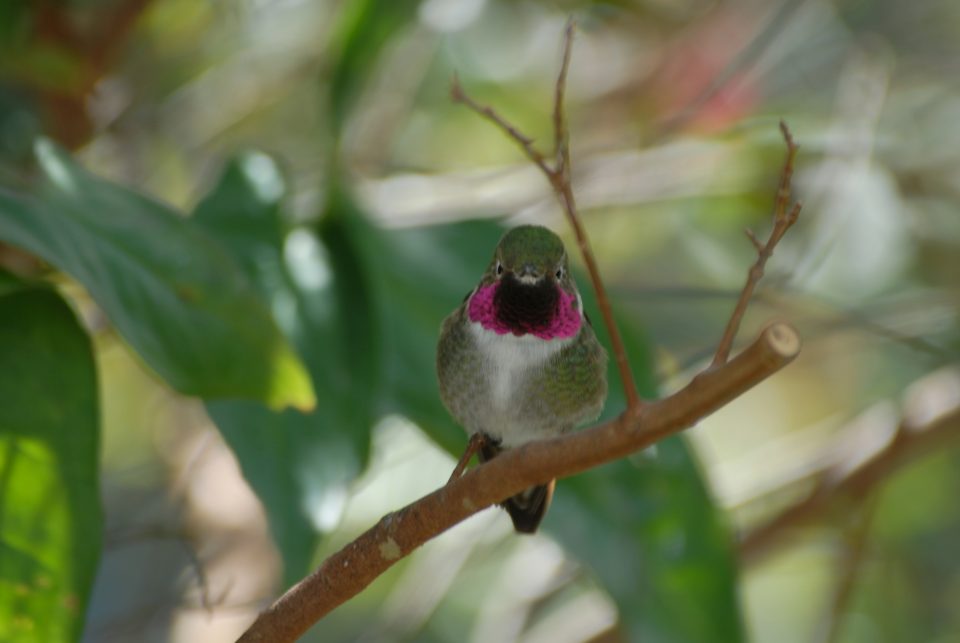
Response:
column 364, row 308
column 649, row 529
column 299, row 464
column 419, row 276
column 50, row 516
column 171, row 290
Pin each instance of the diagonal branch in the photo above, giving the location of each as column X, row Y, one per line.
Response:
column 559, row 176
column 457, row 95
column 347, row 572
column 855, row 472
column 782, row 221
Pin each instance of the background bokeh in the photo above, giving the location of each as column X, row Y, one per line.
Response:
column 821, row 506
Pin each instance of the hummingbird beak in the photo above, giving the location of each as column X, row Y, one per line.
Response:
column 527, row 274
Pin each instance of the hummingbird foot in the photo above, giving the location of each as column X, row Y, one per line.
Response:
column 478, row 443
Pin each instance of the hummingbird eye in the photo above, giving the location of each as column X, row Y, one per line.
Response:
column 559, row 273
column 499, row 268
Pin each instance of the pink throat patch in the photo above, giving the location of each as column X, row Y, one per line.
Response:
column 565, row 323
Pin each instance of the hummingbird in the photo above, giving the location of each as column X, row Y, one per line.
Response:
column 518, row 359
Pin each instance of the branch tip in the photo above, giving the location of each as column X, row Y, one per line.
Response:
column 788, row 136
column 560, row 134
column 783, row 219
column 795, row 212
column 783, row 339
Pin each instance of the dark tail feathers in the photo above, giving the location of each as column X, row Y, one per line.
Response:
column 526, row 509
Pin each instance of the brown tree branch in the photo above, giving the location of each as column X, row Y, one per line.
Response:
column 559, row 175
column 782, row 221
column 854, row 472
column 347, row 572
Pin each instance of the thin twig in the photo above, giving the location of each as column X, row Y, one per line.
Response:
column 782, row 221
column 348, row 571
column 751, row 235
column 603, row 302
column 457, row 95
column 561, row 139
column 559, row 177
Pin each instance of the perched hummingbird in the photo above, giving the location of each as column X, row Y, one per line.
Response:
column 518, row 360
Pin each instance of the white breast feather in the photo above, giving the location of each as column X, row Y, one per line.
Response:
column 510, row 360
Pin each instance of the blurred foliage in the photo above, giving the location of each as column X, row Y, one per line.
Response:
column 173, row 294
column 334, row 197
column 50, row 516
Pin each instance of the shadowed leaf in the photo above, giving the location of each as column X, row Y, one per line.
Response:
column 299, row 464
column 171, row 290
column 649, row 529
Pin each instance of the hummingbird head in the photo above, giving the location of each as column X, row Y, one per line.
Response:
column 527, row 288
column 530, row 253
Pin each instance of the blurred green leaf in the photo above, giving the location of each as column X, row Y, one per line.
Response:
column 420, row 276
column 364, row 309
column 915, row 519
column 14, row 18
column 648, row 528
column 171, row 291
column 365, row 27
column 299, row 464
column 50, row 516
column 9, row 283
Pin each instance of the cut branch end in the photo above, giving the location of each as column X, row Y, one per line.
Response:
column 782, row 339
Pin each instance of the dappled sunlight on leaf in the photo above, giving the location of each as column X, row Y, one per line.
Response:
column 50, row 516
